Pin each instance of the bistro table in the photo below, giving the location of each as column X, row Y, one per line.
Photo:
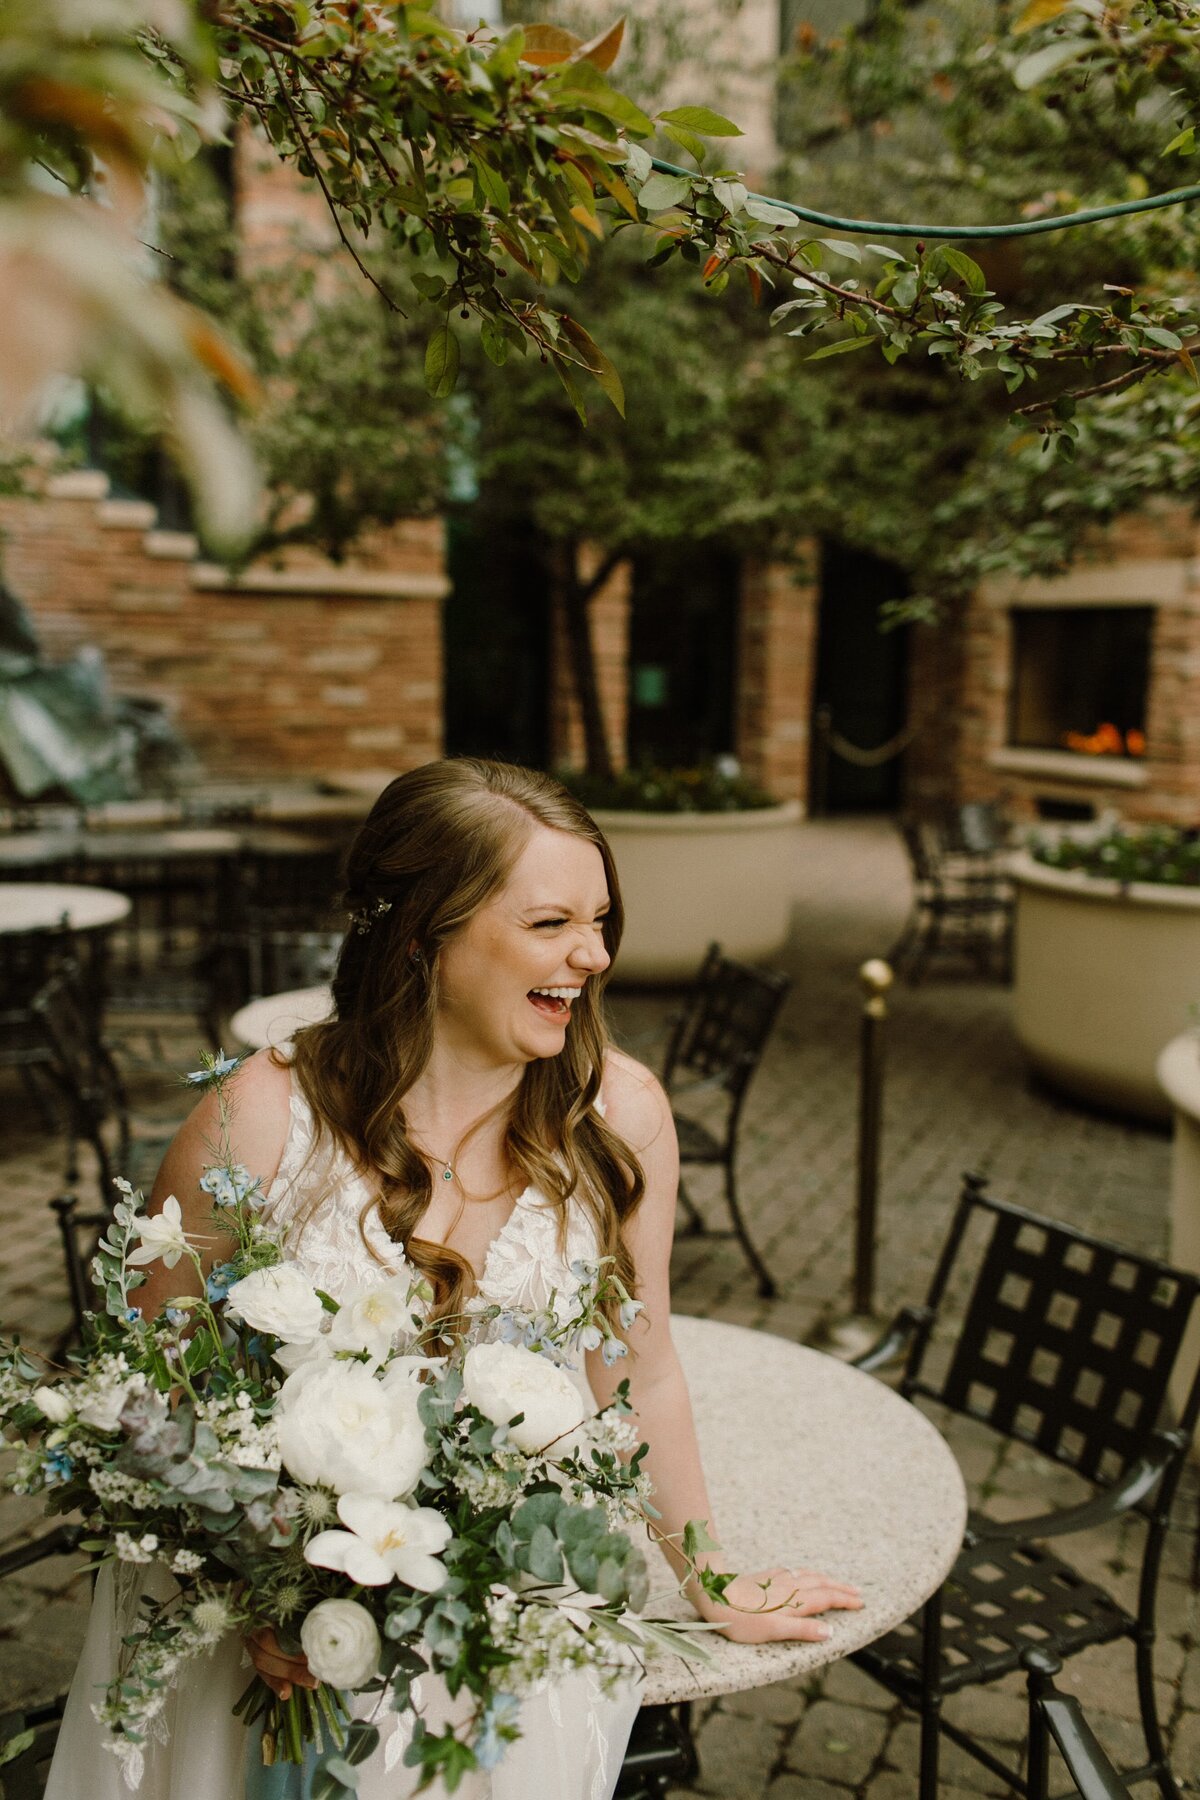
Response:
column 41, row 905
column 273, row 1019
column 811, row 1464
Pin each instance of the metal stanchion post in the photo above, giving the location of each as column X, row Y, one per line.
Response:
column 822, row 726
column 850, row 1337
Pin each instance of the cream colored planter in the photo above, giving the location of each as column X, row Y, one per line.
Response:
column 690, row 878
column 1179, row 1075
column 1104, row 979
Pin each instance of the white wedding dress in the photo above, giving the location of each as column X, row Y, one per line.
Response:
column 573, row 1735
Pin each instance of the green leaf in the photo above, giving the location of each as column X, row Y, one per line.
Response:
column 697, row 1537
column 1048, row 61
column 687, row 140
column 731, row 194
column 566, row 375
column 1167, row 340
column 494, row 341
column 963, row 266
column 663, row 191
column 492, row 185
column 598, row 365
column 766, row 214
column 841, row 247
column 701, row 119
column 1183, row 145
column 16, row 1746
column 840, row 348
column 442, row 357
column 638, row 163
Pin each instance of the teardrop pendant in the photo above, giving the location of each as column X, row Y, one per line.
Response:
column 447, row 1173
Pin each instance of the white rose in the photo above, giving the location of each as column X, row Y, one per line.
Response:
column 53, row 1404
column 341, row 1643
column 505, row 1379
column 278, row 1300
column 103, row 1407
column 340, row 1427
column 370, row 1316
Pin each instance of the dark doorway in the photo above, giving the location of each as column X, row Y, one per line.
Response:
column 496, row 638
column 861, row 678
column 682, row 655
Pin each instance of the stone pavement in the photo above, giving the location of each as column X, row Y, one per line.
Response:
column 957, row 1097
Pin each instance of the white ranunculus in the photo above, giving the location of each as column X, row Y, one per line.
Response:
column 278, row 1300
column 503, row 1380
column 384, row 1542
column 53, row 1404
column 341, row 1428
column 369, row 1317
column 161, row 1236
column 341, row 1643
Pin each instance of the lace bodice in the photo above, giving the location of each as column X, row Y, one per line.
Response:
column 337, row 1237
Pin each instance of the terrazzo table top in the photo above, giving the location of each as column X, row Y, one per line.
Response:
column 39, row 905
column 812, row 1464
column 273, row 1020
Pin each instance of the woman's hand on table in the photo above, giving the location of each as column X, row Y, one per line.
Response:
column 280, row 1671
column 778, row 1605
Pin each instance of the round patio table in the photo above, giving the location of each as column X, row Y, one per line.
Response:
column 40, row 905
column 810, row 1464
column 38, row 849
column 273, row 1020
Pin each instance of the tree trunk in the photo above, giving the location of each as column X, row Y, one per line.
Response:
column 574, row 598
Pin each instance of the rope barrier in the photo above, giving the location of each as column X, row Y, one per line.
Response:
column 869, row 759
column 1019, row 228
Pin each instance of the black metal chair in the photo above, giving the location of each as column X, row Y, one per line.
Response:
column 718, row 1040
column 1068, row 1344
column 23, row 1774
column 277, row 896
column 962, row 900
column 660, row 1755
column 50, row 1031
column 1060, row 1717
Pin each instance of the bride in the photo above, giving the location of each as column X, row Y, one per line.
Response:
column 462, row 1114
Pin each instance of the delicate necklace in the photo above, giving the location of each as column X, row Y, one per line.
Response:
column 447, row 1166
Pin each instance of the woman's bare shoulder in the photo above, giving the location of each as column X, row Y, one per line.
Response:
column 634, row 1102
column 258, row 1097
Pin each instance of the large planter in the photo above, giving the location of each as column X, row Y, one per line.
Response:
column 1179, row 1074
column 1105, row 975
column 690, row 878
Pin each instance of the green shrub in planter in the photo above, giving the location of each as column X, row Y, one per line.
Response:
column 1161, row 853
column 713, row 787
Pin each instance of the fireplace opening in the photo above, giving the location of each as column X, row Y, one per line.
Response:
column 1080, row 676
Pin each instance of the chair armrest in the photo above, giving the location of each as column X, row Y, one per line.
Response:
column 1087, row 1765
column 1138, row 1481
column 703, row 1084
column 895, row 1341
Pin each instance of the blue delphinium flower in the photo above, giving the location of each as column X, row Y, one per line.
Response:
column 58, row 1466
column 613, row 1350
column 132, row 1314
column 498, row 1729
column 629, row 1312
column 175, row 1316
column 219, row 1282
column 590, row 1337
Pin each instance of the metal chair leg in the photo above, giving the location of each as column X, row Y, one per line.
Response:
column 695, row 1226
column 766, row 1285
column 931, row 1696
column 1152, row 1730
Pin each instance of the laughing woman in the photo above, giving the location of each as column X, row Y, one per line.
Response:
column 461, row 1114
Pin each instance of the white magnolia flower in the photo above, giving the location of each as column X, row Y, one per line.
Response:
column 161, row 1236
column 340, row 1428
column 385, row 1542
column 278, row 1300
column 53, row 1404
column 341, row 1643
column 503, row 1380
column 371, row 1315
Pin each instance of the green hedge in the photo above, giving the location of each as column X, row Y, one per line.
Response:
column 646, row 788
column 1160, row 853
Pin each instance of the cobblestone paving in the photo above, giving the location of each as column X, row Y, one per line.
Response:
column 957, row 1097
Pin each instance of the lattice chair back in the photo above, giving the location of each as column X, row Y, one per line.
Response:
column 1068, row 1342
column 299, row 959
column 726, row 1021
column 920, row 841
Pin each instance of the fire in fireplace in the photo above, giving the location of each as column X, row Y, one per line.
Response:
column 1079, row 679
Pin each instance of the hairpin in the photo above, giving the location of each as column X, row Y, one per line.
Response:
column 365, row 916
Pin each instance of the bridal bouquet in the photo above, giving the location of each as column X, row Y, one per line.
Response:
column 391, row 1499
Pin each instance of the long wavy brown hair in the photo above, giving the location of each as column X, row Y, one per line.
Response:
column 437, row 845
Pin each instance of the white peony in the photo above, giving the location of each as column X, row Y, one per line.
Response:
column 340, row 1428
column 161, row 1236
column 53, row 1404
column 290, row 1357
column 278, row 1300
column 370, row 1316
column 341, row 1643
column 385, row 1542
column 104, row 1401
column 503, row 1380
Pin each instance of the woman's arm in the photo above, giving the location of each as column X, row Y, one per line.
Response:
column 257, row 1099
column 775, row 1603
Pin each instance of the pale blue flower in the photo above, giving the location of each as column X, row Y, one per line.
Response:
column 629, row 1312
column 220, row 1281
column 498, row 1729
column 613, row 1350
column 175, row 1316
column 58, row 1466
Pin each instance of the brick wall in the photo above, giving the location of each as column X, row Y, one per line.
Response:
column 777, row 634
column 287, row 670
